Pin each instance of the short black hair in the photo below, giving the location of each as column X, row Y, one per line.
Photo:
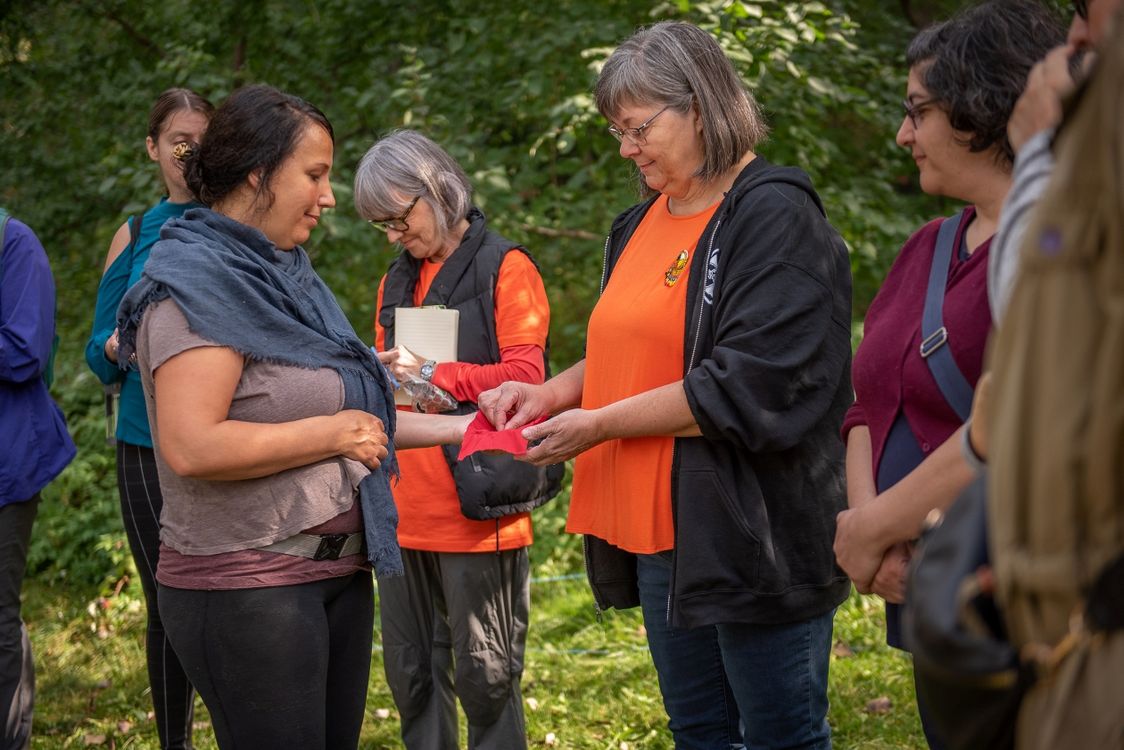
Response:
column 975, row 65
column 254, row 130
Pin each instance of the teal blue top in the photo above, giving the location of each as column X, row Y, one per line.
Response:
column 132, row 417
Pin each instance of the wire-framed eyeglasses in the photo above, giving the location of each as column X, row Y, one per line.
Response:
column 636, row 134
column 913, row 110
column 397, row 223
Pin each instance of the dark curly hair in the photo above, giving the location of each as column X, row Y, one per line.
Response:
column 975, row 65
column 254, row 130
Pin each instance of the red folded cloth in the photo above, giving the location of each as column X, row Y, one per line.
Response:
column 482, row 436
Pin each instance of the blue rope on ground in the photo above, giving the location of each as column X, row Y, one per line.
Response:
column 377, row 647
column 547, row 579
column 565, row 651
column 567, row 577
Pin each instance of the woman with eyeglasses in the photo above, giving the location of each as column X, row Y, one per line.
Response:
column 455, row 627
column 175, row 126
column 925, row 331
column 272, row 425
column 705, row 415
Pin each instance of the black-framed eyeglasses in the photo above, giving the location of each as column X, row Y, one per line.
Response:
column 636, row 134
column 913, row 110
column 1081, row 8
column 398, row 223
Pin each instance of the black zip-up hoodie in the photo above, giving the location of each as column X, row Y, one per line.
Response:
column 767, row 362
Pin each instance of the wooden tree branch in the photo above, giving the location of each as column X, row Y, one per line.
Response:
column 576, row 234
column 130, row 30
column 921, row 13
column 239, row 57
column 907, row 11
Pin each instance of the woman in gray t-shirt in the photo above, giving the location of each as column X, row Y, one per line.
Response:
column 274, row 431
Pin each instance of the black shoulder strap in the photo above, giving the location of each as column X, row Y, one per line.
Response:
column 956, row 389
column 134, row 233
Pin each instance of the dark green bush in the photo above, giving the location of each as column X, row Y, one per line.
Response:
column 507, row 92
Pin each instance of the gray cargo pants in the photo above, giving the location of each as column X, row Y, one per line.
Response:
column 455, row 626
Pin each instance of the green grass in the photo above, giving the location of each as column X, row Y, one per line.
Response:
column 590, row 684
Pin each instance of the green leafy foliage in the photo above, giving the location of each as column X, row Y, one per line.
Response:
column 506, row 88
column 507, row 92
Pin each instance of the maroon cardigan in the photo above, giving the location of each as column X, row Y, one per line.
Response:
column 888, row 372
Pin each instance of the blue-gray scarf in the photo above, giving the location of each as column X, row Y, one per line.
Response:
column 236, row 289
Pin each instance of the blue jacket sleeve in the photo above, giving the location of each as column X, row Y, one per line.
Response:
column 27, row 306
column 114, row 283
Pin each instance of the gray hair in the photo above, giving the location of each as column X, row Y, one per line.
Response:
column 680, row 65
column 405, row 164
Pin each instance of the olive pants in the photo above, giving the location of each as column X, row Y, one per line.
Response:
column 455, row 626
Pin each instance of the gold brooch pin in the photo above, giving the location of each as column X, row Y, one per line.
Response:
column 675, row 270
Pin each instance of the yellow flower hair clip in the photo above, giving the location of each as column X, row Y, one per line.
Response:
column 182, row 150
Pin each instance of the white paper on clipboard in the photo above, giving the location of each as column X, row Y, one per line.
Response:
column 429, row 332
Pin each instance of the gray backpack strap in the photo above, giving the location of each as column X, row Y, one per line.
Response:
column 957, row 391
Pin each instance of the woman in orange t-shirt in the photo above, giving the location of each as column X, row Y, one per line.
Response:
column 467, row 581
column 705, row 414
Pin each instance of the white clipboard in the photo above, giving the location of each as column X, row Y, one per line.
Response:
column 429, row 332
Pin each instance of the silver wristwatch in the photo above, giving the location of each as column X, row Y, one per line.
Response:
column 427, row 369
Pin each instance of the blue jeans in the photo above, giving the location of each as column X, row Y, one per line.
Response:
column 737, row 685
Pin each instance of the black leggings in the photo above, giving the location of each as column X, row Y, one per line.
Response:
column 173, row 698
column 278, row 667
column 16, row 520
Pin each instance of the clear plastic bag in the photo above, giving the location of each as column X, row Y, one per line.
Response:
column 112, row 397
column 426, row 397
